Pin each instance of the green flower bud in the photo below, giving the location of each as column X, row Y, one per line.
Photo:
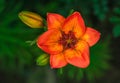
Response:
column 43, row 59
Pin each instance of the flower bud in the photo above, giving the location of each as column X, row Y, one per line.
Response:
column 31, row 19
column 42, row 59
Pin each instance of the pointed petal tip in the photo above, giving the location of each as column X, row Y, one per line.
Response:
column 48, row 13
column 54, row 20
column 76, row 12
column 74, row 23
column 92, row 36
column 85, row 65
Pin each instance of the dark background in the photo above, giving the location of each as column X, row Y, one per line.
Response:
column 18, row 58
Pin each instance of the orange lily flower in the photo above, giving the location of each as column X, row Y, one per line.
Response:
column 67, row 40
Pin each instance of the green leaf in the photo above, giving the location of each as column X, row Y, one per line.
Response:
column 116, row 10
column 80, row 74
column 116, row 31
column 114, row 19
column 2, row 5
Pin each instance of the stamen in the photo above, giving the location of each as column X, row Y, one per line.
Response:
column 68, row 40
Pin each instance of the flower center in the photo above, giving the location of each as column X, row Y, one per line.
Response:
column 68, row 40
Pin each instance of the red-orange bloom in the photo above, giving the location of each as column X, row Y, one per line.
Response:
column 67, row 40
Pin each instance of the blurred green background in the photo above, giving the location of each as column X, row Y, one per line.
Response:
column 18, row 58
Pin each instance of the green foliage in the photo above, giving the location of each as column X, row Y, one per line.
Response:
column 15, row 53
column 100, row 8
column 2, row 3
column 99, row 60
column 116, row 31
column 115, row 20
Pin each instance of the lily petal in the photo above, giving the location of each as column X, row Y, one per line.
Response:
column 49, row 42
column 57, row 61
column 74, row 23
column 54, row 20
column 78, row 57
column 91, row 36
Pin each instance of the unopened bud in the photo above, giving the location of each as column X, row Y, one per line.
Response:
column 42, row 59
column 31, row 19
